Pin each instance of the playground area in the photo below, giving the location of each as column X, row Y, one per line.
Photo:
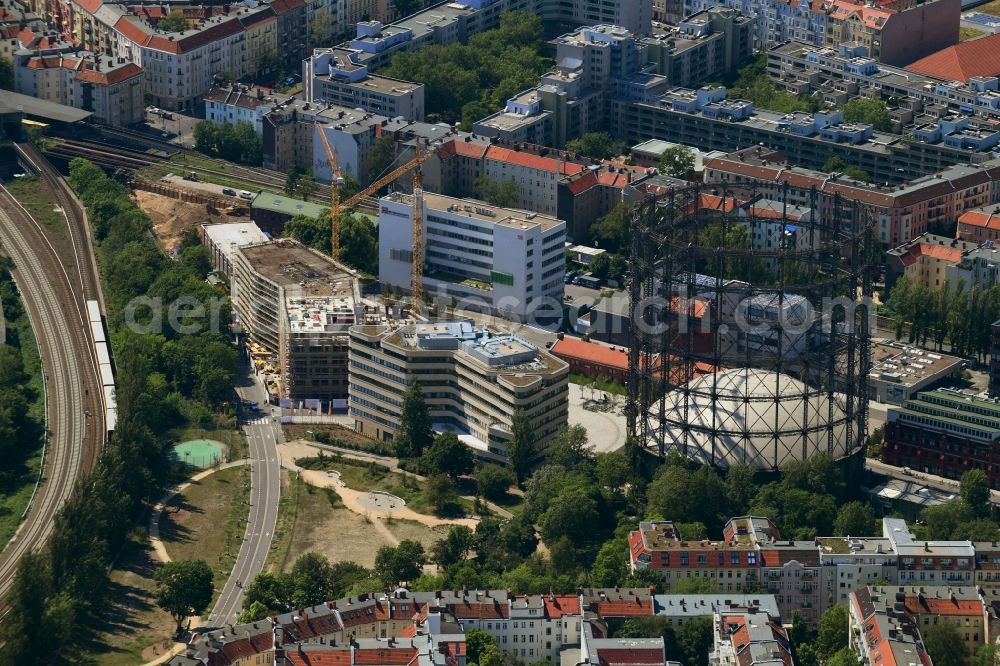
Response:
column 200, row 453
column 376, row 500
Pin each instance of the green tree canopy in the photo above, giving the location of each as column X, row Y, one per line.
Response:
column 868, row 111
column 856, row 519
column 173, row 22
column 944, row 644
column 184, row 588
column 523, row 446
column 596, row 145
column 493, row 481
column 677, row 162
column 448, row 455
column 975, row 490
column 396, row 564
column 415, row 433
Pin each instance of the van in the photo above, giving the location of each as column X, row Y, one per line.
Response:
column 246, row 195
column 229, row 192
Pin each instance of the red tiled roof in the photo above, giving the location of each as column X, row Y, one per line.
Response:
column 630, row 656
column 591, row 352
column 532, row 161
column 944, row 606
column 583, row 183
column 283, row 6
column 557, row 606
column 978, row 218
column 484, row 610
column 318, row 657
column 116, row 75
column 462, row 148
column 961, row 62
column 138, row 34
column 91, row 6
column 384, row 656
column 873, row 17
column 639, row 607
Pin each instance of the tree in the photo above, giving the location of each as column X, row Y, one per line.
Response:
column 312, row 231
column 477, row 642
column 359, row 242
column 254, row 612
column 415, row 433
column 988, row 655
column 832, row 634
column 320, row 28
column 677, row 162
column 503, row 194
column 569, row 448
column 695, row 585
column 404, row 562
column 612, row 470
column 610, row 568
column 522, row 447
column 835, row 163
column 856, row 519
column 845, row 656
column 611, row 232
column 292, row 177
column 975, row 489
column 448, row 455
column 740, row 488
column 382, row 155
column 944, row 644
column 6, row 74
column 184, row 588
column 492, row 481
column 596, row 145
column 440, row 493
column 694, row 639
column 454, row 547
column 173, row 22
column 868, row 111
column 306, row 187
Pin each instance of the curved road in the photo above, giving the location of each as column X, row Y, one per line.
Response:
column 55, row 305
column 263, row 435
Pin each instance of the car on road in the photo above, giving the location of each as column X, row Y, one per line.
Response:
column 166, row 135
column 229, row 192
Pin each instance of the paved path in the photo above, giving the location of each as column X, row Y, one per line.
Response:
column 154, row 519
column 606, row 431
column 263, row 435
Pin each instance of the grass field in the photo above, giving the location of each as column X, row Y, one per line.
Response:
column 292, row 490
column 132, row 629
column 35, row 197
column 991, row 8
column 965, row 34
column 207, row 521
column 22, row 472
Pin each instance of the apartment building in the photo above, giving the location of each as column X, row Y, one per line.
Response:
column 903, row 211
column 979, row 225
column 926, row 260
column 292, row 30
column 994, row 390
column 241, row 103
column 473, row 379
column 881, row 632
column 893, row 33
column 842, row 73
column 749, row 638
column 482, row 257
column 945, row 433
column 296, row 305
column 109, row 88
column 708, row 119
column 702, row 46
column 332, row 76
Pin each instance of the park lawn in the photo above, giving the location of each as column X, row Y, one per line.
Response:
column 411, row 529
column 207, row 521
column 599, row 384
column 325, row 526
column 336, row 435
column 991, row 8
column 34, row 195
column 289, row 507
column 132, row 629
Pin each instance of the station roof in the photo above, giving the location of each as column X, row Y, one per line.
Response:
column 39, row 108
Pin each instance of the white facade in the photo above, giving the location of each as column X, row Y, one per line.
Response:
column 490, row 259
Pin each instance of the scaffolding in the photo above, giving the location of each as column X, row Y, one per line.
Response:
column 749, row 323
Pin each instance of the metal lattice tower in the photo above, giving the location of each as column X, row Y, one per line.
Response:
column 749, row 324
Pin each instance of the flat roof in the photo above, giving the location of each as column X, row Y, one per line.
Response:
column 482, row 211
column 907, row 365
column 226, row 236
column 302, row 272
column 32, row 106
column 279, row 203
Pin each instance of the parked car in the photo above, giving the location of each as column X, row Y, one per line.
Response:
column 246, row 195
column 229, row 192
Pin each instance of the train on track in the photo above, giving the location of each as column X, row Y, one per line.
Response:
column 102, row 347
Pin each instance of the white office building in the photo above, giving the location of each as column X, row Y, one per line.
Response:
column 476, row 256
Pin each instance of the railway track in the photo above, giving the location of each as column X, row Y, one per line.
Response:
column 55, row 277
column 113, row 156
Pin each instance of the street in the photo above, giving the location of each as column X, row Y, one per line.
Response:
column 263, row 435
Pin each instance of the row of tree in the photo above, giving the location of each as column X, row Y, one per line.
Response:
column 58, row 590
column 466, row 82
column 238, row 143
column 20, row 428
column 955, row 313
column 358, row 237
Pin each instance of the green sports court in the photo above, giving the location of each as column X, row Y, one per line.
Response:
column 199, row 453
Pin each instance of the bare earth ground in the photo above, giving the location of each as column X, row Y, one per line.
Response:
column 171, row 218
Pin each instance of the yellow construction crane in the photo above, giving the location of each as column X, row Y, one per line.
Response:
column 418, row 209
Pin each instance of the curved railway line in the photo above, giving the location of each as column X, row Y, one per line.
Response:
column 56, row 276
